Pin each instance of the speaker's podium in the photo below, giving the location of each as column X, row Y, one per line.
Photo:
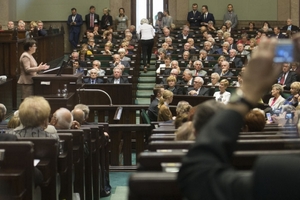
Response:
column 49, row 85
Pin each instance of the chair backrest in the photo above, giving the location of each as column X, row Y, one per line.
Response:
column 145, row 117
column 16, row 177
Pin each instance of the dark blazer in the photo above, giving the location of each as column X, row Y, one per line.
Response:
column 291, row 77
column 87, row 21
column 203, row 91
column 42, row 32
column 110, row 21
column 7, row 137
column 293, row 28
column 78, row 20
column 125, row 63
column 153, row 110
column 210, row 17
column 122, row 80
column 280, row 36
column 237, row 62
column 194, row 19
column 89, row 80
column 180, row 36
column 176, row 90
column 233, row 46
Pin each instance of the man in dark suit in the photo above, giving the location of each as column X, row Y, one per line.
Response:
column 224, row 71
column 93, row 79
column 117, row 79
column 187, row 47
column 74, row 23
column 41, row 30
column 198, row 90
column 232, row 58
column 92, row 19
column 187, row 77
column 117, row 61
column 287, row 77
column 289, row 26
column 206, row 16
column 232, row 45
column 194, row 16
column 185, row 33
column 153, row 109
column 277, row 33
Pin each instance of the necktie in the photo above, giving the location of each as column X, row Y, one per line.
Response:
column 282, row 79
column 196, row 73
column 205, row 16
column 93, row 81
column 91, row 20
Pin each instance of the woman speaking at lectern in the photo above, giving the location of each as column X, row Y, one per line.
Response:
column 29, row 68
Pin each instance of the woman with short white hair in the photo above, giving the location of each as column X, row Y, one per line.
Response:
column 147, row 34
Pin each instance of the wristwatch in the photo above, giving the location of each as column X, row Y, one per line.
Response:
column 238, row 98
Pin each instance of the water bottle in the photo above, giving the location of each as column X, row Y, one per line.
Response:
column 96, row 117
column 65, row 90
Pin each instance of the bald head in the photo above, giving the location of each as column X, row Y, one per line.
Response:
column 78, row 115
column 62, row 119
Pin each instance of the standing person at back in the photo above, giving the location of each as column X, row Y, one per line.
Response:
column 206, row 16
column 122, row 20
column 106, row 20
column 92, row 20
column 167, row 20
column 147, row 34
column 74, row 23
column 231, row 16
column 193, row 16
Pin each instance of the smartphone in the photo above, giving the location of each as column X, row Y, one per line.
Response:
column 269, row 118
column 284, row 51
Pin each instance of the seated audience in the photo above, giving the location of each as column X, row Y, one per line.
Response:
column 21, row 25
column 171, row 81
column 225, row 70
column 92, row 46
column 166, row 65
column 228, row 25
column 286, row 77
column 198, row 90
column 174, row 72
column 124, row 58
column 2, row 113
column 289, row 26
column 244, row 39
column 40, row 27
column 242, row 52
column 277, row 100
column 182, row 113
column 239, row 82
column 218, row 66
column 117, row 77
column 251, row 26
column 210, row 26
column 10, row 25
column 198, row 71
column 214, row 79
column 97, row 66
column 34, row 114
column 164, row 113
column 63, row 119
column 254, row 121
column 153, row 109
column 204, row 57
column 93, row 79
column 174, row 65
column 222, row 95
column 107, row 49
column 117, row 61
column 235, row 60
column 272, row 177
column 266, row 27
column 85, row 110
column 252, row 45
column 277, row 34
column 77, row 68
column 293, row 98
column 14, row 121
column 185, row 33
column 224, row 50
column 161, row 54
column 192, row 43
column 187, row 77
column 78, row 115
column 187, row 47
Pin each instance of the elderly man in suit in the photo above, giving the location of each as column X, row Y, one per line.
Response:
column 232, row 58
column 277, row 33
column 198, row 71
column 230, row 15
column 206, row 16
column 117, row 77
column 286, row 77
column 185, row 33
column 224, row 71
column 289, row 26
column 198, row 90
column 193, row 16
column 92, row 20
column 74, row 23
column 97, row 65
column 187, row 77
column 117, row 61
column 93, row 79
column 241, row 51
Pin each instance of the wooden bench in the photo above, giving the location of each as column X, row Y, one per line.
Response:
column 258, row 144
column 154, row 185
column 78, row 160
column 46, row 150
column 16, row 170
column 65, row 166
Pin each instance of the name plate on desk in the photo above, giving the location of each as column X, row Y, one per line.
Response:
column 45, row 82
